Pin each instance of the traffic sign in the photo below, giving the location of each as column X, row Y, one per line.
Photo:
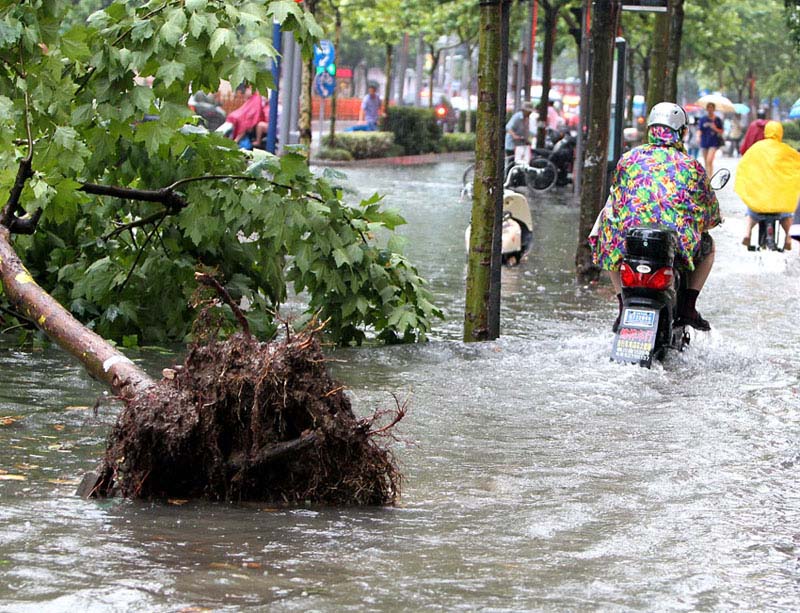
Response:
column 324, row 53
column 324, row 85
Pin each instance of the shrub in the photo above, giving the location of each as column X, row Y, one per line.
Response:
column 791, row 130
column 363, row 145
column 414, row 129
column 462, row 120
column 458, row 141
column 334, row 153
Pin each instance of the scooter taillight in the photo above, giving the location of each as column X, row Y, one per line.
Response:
column 658, row 280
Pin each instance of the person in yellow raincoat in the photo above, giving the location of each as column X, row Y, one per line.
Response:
column 768, row 180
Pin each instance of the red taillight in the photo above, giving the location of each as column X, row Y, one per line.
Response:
column 441, row 111
column 659, row 280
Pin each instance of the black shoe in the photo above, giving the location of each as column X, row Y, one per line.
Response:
column 695, row 320
column 615, row 326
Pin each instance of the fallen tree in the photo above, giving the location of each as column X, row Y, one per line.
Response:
column 113, row 216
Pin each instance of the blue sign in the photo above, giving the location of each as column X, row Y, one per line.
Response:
column 324, row 84
column 324, row 53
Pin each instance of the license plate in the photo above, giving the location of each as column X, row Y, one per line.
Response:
column 636, row 337
column 639, row 318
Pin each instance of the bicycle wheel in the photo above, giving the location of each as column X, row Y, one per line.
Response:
column 542, row 174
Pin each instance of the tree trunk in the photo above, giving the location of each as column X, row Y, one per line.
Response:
column 100, row 359
column 337, row 37
column 674, row 49
column 387, row 91
column 468, row 118
column 306, row 86
column 401, row 69
column 487, row 188
column 657, row 87
column 605, row 17
column 550, row 19
column 434, row 63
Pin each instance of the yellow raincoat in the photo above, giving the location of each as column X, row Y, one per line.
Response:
column 768, row 176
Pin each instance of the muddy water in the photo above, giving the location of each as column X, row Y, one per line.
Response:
column 539, row 476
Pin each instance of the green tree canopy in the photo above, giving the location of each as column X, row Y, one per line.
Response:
column 116, row 199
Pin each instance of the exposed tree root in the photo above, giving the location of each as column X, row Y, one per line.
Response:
column 243, row 420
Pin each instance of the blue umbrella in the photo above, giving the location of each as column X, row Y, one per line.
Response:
column 741, row 109
column 794, row 113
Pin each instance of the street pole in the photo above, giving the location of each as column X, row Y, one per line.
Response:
column 287, row 90
column 583, row 119
column 272, row 128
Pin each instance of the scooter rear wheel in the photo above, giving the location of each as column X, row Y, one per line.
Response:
column 542, row 176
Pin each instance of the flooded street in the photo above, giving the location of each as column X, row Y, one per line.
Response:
column 539, row 476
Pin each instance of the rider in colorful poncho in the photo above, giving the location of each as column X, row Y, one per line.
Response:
column 658, row 184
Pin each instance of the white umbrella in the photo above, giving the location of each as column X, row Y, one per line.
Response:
column 723, row 104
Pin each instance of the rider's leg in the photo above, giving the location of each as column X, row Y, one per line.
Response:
column 614, row 275
column 786, row 224
column 697, row 278
column 750, row 223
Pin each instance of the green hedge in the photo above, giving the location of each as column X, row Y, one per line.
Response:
column 458, row 141
column 462, row 120
column 363, row 145
column 791, row 130
column 414, row 129
column 335, row 154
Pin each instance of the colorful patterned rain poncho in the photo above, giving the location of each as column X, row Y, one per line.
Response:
column 656, row 184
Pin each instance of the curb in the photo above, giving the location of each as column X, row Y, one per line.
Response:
column 403, row 160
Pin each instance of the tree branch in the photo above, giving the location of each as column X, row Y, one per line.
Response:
column 136, row 224
column 210, row 281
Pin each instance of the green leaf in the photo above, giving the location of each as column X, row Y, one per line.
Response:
column 169, row 72
column 222, row 37
column 281, row 9
column 173, row 28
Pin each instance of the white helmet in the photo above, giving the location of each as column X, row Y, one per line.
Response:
column 668, row 114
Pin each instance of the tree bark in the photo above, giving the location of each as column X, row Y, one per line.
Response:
column 487, row 186
column 434, row 65
column 674, row 49
column 468, row 118
column 657, row 85
column 337, row 37
column 550, row 19
column 605, row 17
column 387, row 92
column 306, row 87
column 100, row 358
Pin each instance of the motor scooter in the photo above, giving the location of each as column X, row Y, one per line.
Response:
column 517, row 234
column 653, row 290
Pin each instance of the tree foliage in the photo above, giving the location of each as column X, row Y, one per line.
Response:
column 126, row 210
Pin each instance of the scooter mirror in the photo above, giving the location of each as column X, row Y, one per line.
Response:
column 720, row 179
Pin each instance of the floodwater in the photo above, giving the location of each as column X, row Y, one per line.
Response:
column 538, row 475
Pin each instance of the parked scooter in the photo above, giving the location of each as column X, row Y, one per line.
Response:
column 517, row 228
column 208, row 109
column 653, row 290
column 561, row 155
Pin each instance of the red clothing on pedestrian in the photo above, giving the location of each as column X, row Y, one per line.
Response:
column 755, row 133
column 247, row 116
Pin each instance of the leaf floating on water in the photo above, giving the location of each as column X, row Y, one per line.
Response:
column 26, row 466
column 251, row 564
column 77, row 407
column 177, row 501
column 7, row 420
column 58, row 427
column 193, row 610
column 65, row 481
column 13, row 478
column 222, row 565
